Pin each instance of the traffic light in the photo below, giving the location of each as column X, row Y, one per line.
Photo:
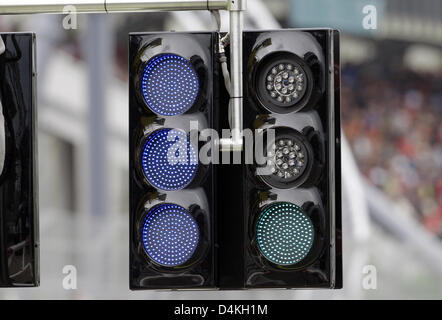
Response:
column 270, row 222
column 172, row 193
column 291, row 201
column 19, row 244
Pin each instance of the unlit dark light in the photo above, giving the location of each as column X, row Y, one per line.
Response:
column 287, row 159
column 285, row 83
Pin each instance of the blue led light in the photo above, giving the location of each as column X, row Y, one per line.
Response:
column 169, row 160
column 284, row 233
column 169, row 84
column 170, row 234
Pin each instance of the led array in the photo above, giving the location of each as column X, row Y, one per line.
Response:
column 170, row 234
column 287, row 159
column 285, row 83
column 169, row 160
column 169, row 84
column 284, row 233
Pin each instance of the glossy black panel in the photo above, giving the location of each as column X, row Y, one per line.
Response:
column 18, row 181
column 228, row 202
column 315, row 119
column 197, row 197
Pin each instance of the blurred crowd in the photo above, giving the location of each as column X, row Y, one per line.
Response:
column 393, row 121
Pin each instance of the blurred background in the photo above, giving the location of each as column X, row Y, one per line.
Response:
column 392, row 150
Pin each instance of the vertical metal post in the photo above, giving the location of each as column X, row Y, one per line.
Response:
column 236, row 9
column 236, row 69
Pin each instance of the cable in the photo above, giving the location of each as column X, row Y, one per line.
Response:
column 225, row 71
column 222, row 43
column 215, row 14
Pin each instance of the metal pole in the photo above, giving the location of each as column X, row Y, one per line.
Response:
column 105, row 6
column 235, row 143
column 165, row 5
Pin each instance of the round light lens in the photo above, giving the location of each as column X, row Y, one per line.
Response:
column 284, row 233
column 169, row 84
column 286, row 83
column 283, row 83
column 169, row 161
column 287, row 158
column 170, row 235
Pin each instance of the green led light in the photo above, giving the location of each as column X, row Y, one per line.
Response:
column 284, row 233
